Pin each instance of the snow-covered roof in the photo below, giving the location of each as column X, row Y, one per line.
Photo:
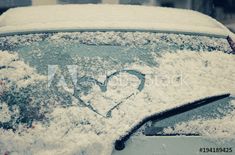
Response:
column 108, row 17
column 231, row 26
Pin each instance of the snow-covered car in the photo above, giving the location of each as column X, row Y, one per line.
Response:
column 112, row 79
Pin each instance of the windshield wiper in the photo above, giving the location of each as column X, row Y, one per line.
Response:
column 232, row 44
column 120, row 143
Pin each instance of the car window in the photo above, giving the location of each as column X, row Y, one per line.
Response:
column 65, row 48
column 82, row 87
column 94, row 53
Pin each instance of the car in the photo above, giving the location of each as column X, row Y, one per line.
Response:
column 113, row 79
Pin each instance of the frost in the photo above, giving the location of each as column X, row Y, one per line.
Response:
column 5, row 114
column 57, row 122
column 17, row 71
column 119, row 38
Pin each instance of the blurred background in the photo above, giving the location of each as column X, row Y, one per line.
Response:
column 222, row 10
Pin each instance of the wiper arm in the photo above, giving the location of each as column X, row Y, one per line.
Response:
column 120, row 143
column 232, row 44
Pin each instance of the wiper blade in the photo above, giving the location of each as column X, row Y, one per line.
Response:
column 232, row 44
column 120, row 143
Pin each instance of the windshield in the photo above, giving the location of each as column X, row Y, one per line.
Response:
column 95, row 86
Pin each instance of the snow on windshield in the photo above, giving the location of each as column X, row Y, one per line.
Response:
column 219, row 127
column 123, row 77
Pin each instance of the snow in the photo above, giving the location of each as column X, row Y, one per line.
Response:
column 79, row 130
column 231, row 26
column 5, row 113
column 108, row 17
column 220, row 128
column 180, row 77
column 17, row 70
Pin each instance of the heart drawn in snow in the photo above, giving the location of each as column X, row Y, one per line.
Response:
column 104, row 97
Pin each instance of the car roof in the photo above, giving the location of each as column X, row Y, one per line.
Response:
column 231, row 26
column 108, row 17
